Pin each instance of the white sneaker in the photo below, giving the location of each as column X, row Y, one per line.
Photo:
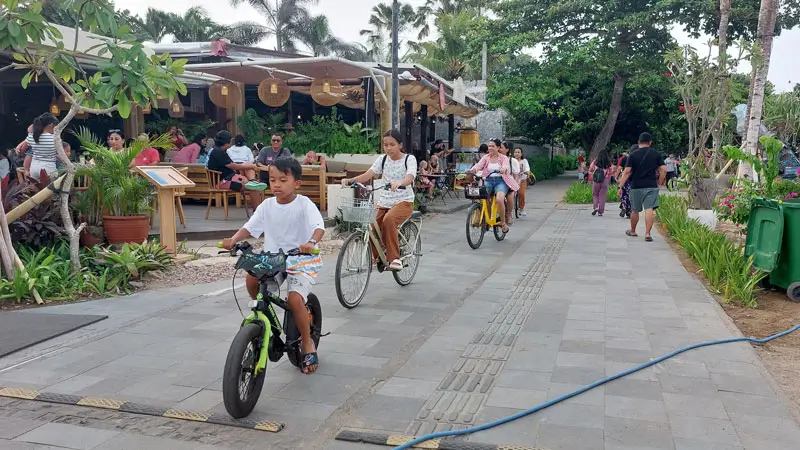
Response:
column 523, row 214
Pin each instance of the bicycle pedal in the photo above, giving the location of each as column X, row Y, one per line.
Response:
column 326, row 334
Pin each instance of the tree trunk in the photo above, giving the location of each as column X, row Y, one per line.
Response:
column 722, row 88
column 7, row 254
column 73, row 233
column 767, row 17
column 602, row 140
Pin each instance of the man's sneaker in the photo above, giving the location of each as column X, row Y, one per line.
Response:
column 255, row 186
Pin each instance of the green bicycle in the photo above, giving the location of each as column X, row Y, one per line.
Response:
column 259, row 337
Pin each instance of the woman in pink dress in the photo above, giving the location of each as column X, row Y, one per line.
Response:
column 190, row 153
column 495, row 169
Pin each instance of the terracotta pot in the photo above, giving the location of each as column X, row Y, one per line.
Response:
column 90, row 239
column 126, row 229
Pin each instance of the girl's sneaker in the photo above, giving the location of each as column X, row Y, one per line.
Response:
column 523, row 214
column 255, row 186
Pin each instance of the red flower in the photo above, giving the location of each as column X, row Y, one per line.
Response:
column 681, row 108
column 667, row 74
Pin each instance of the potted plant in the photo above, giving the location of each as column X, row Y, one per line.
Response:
column 122, row 198
column 89, row 205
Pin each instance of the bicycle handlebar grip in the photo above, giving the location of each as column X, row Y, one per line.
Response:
column 219, row 244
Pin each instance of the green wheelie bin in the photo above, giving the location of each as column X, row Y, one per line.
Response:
column 773, row 239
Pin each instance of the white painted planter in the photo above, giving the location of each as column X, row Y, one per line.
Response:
column 335, row 194
column 706, row 217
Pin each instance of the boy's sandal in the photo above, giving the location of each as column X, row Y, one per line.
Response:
column 630, row 234
column 309, row 360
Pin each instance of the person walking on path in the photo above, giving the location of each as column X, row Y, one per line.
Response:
column 600, row 172
column 672, row 167
column 646, row 170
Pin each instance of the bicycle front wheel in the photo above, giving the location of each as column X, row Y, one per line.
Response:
column 476, row 226
column 241, row 387
column 410, row 251
column 353, row 268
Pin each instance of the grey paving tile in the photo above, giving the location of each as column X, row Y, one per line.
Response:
column 515, row 398
column 577, row 375
column 157, row 389
column 11, row 427
column 570, row 414
column 687, row 385
column 631, row 433
column 519, row 432
column 320, row 388
column 615, row 367
column 560, row 437
column 694, row 405
column 627, row 355
column 635, row 408
column 694, row 444
column 594, row 396
column 70, row 436
column 567, row 359
column 408, row 387
column 643, row 389
column 684, row 368
column 429, row 365
column 755, row 427
column 130, row 441
column 533, row 360
column 738, row 403
column 596, row 348
column 733, row 383
column 204, row 400
column 703, row 429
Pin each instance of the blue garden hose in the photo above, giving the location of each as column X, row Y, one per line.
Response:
column 486, row 426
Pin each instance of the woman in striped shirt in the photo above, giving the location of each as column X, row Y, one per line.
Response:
column 41, row 142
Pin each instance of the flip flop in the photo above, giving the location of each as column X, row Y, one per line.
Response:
column 648, row 239
column 310, row 359
column 629, row 234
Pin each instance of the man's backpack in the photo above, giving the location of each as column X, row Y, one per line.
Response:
column 599, row 175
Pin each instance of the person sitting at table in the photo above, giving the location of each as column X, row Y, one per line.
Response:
column 219, row 161
column 425, row 183
column 241, row 154
column 268, row 155
column 435, row 165
column 312, row 158
column 148, row 156
column 190, row 153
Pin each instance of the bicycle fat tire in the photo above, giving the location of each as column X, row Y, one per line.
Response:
column 475, row 209
column 352, row 240
column 499, row 234
column 401, row 277
column 234, row 404
column 295, row 352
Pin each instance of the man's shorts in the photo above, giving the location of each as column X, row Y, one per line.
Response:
column 300, row 284
column 644, row 198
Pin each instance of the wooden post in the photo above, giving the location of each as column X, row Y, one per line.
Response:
column 235, row 112
column 451, row 137
column 409, row 123
column 386, row 109
column 133, row 126
column 423, row 133
column 167, row 180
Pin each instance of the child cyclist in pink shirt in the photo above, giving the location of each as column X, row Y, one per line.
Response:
column 289, row 221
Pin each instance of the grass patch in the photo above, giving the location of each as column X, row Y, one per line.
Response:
column 722, row 262
column 581, row 193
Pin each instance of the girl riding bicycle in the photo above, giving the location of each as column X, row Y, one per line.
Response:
column 394, row 207
column 495, row 168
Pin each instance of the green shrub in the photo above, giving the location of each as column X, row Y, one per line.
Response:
column 104, row 271
column 581, row 193
column 734, row 204
column 571, row 162
column 722, row 262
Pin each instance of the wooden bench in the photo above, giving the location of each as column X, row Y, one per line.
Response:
column 313, row 185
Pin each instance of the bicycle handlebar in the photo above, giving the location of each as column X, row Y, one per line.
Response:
column 385, row 187
column 246, row 246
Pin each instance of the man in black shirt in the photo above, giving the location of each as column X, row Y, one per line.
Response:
column 646, row 170
column 219, row 161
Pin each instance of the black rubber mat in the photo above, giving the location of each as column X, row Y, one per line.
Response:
column 20, row 330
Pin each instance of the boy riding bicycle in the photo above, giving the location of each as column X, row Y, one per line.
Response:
column 288, row 221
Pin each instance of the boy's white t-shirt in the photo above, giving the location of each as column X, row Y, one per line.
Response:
column 394, row 171
column 287, row 227
column 241, row 154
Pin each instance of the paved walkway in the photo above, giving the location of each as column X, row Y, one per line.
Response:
column 565, row 300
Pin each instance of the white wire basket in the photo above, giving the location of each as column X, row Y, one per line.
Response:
column 358, row 210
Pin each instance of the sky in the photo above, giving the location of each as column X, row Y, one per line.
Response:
column 347, row 21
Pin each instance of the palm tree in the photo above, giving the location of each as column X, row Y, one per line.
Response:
column 154, row 26
column 283, row 19
column 378, row 37
column 448, row 55
column 316, row 34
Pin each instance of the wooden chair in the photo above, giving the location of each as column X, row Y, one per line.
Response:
column 214, row 179
column 21, row 175
column 81, row 183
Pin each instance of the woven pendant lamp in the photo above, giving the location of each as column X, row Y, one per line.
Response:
column 326, row 91
column 225, row 94
column 176, row 109
column 273, row 92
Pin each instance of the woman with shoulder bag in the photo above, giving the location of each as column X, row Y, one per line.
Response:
column 600, row 175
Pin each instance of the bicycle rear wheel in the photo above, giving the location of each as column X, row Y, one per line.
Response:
column 240, row 386
column 476, row 226
column 353, row 268
column 295, row 351
column 410, row 252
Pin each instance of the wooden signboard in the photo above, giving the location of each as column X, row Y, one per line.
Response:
column 166, row 180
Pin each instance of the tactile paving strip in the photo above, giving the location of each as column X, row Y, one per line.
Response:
column 463, row 391
column 394, row 440
column 136, row 408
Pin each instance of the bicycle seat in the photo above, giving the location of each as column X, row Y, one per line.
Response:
column 416, row 215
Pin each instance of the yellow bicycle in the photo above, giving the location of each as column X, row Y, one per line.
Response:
column 482, row 214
